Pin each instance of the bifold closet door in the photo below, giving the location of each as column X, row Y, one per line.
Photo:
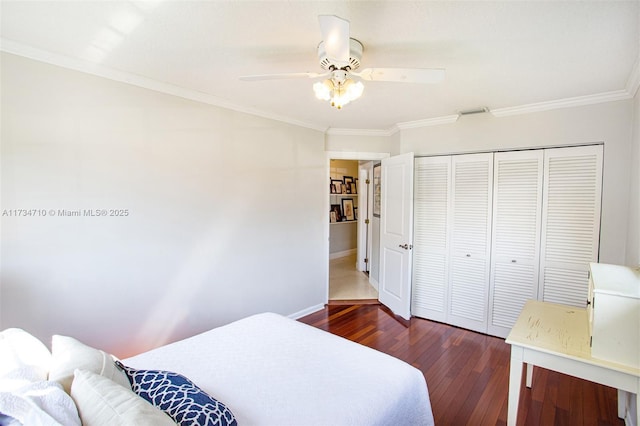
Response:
column 570, row 222
column 432, row 205
column 471, row 206
column 517, row 210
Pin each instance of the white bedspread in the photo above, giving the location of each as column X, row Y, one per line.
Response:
column 37, row 403
column 271, row 370
column 26, row 397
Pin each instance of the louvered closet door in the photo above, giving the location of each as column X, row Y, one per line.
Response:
column 431, row 237
column 570, row 222
column 470, row 240
column 517, row 210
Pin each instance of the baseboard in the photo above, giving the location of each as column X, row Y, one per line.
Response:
column 354, row 302
column 305, row 312
column 344, row 253
column 374, row 283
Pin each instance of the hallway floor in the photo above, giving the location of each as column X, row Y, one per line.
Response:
column 346, row 282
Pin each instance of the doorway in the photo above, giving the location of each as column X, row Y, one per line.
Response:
column 349, row 231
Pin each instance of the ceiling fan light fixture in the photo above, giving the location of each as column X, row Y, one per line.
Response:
column 339, row 99
column 323, row 89
column 354, row 89
column 340, row 55
column 338, row 92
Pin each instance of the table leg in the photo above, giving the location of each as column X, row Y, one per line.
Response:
column 515, row 381
column 622, row 403
column 637, row 403
column 529, row 375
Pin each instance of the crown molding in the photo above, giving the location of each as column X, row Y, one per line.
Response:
column 447, row 119
column 617, row 95
column 92, row 68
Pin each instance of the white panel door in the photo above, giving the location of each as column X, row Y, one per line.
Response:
column 431, row 226
column 396, row 215
column 570, row 222
column 517, row 210
column 472, row 187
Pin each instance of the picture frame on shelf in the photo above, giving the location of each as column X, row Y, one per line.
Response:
column 337, row 185
column 348, row 180
column 332, row 188
column 347, row 209
column 344, row 189
column 356, row 181
column 377, row 189
column 355, row 213
column 354, row 188
column 337, row 210
column 332, row 217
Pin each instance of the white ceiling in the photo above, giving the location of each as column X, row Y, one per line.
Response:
column 496, row 54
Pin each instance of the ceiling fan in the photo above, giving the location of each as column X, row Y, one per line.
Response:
column 340, row 55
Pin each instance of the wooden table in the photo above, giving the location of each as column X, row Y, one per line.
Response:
column 556, row 337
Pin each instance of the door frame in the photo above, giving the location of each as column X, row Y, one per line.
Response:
column 340, row 155
column 365, row 172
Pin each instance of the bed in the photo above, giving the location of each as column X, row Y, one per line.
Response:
column 271, row 370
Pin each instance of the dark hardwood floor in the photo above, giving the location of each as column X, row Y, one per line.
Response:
column 467, row 373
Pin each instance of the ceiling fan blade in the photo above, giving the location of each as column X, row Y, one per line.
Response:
column 335, row 35
column 259, row 77
column 404, row 75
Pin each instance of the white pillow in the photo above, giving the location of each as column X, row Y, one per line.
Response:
column 68, row 354
column 101, row 401
column 23, row 356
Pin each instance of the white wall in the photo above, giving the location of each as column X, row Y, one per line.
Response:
column 226, row 211
column 633, row 238
column 343, row 239
column 610, row 123
column 358, row 143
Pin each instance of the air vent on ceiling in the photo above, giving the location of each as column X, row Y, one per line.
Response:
column 474, row 111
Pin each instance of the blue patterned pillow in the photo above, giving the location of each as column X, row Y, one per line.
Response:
column 179, row 397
